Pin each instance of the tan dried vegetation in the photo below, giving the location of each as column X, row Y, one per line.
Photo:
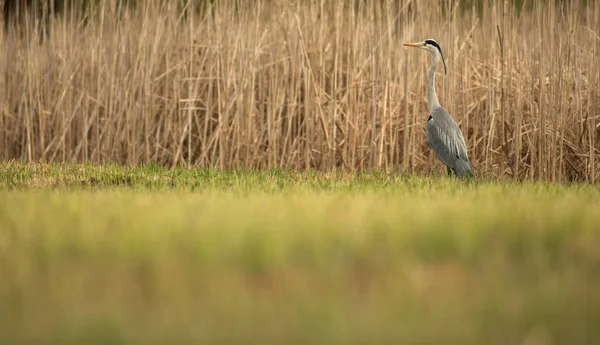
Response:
column 307, row 85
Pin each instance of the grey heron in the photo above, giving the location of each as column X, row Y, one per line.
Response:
column 443, row 134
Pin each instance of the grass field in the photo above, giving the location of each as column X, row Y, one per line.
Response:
column 147, row 255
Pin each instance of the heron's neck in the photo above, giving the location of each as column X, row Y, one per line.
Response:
column 432, row 97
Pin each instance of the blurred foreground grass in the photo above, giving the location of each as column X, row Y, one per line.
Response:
column 116, row 255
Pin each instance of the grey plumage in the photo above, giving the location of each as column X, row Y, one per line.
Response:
column 443, row 134
column 446, row 140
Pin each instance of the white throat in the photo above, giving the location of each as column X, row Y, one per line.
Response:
column 432, row 97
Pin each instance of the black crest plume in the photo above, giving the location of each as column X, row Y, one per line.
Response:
column 435, row 44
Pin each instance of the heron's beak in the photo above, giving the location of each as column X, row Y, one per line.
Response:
column 417, row 45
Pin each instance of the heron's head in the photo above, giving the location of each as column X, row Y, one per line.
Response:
column 431, row 46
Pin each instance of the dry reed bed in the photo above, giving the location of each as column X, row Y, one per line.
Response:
column 319, row 84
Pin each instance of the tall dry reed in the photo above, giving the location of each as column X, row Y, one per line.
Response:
column 307, row 85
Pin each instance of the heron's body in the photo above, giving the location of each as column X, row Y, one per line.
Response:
column 443, row 134
column 446, row 140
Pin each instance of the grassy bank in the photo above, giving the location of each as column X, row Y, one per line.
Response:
column 198, row 256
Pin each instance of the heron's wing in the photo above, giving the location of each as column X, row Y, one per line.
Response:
column 446, row 140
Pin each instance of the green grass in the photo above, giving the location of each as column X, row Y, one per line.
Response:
column 146, row 255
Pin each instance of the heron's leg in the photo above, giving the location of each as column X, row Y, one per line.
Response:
column 449, row 171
